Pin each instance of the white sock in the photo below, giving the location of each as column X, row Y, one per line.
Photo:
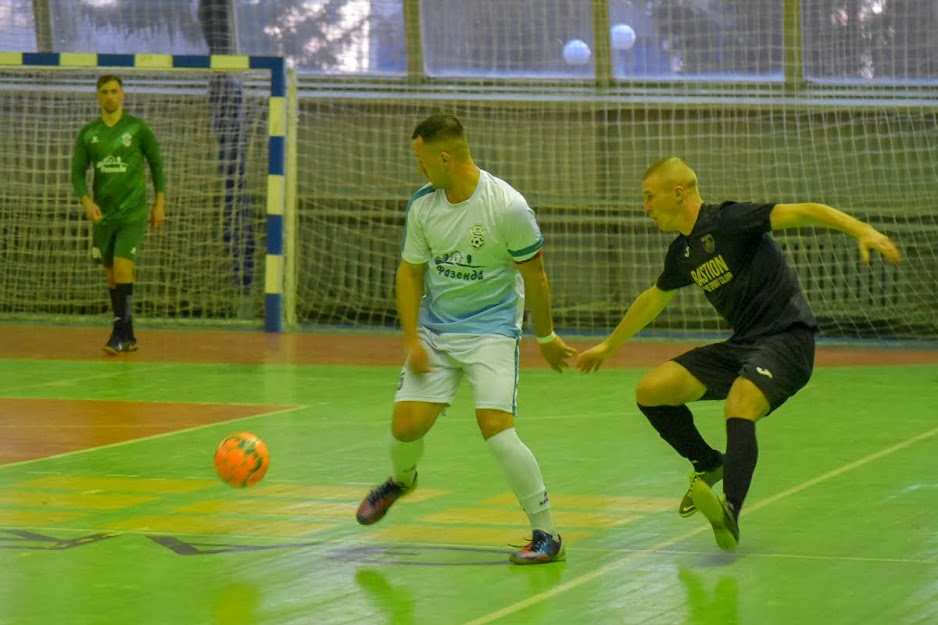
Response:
column 525, row 479
column 404, row 457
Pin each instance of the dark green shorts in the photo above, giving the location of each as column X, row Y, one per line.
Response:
column 117, row 239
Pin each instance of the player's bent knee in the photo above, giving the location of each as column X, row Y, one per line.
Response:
column 655, row 388
column 492, row 422
column 746, row 401
column 669, row 384
column 412, row 419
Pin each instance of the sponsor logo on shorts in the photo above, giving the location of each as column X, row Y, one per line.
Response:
column 764, row 372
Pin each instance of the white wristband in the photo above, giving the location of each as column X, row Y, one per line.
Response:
column 543, row 340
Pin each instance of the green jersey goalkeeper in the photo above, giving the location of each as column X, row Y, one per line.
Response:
column 115, row 146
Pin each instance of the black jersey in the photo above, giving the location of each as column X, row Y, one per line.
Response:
column 733, row 258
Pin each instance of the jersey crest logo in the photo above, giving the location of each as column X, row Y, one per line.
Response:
column 94, row 139
column 126, row 139
column 708, row 243
column 477, row 236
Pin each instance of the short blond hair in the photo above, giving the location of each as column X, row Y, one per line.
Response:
column 674, row 169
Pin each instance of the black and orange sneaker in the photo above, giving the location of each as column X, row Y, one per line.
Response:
column 380, row 500
column 542, row 549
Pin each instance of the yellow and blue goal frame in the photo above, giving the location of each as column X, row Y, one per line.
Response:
column 276, row 160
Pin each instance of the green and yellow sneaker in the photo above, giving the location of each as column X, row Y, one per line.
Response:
column 687, row 507
column 718, row 512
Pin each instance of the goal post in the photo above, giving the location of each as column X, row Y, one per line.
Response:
column 222, row 125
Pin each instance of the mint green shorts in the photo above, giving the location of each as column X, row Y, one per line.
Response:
column 110, row 240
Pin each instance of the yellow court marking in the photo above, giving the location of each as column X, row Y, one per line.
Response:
column 495, row 516
column 201, row 525
column 122, row 484
column 35, row 518
column 469, row 536
column 349, row 493
column 340, row 493
column 81, row 501
column 477, row 516
column 594, row 502
column 316, row 509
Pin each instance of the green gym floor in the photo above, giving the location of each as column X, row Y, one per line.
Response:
column 110, row 512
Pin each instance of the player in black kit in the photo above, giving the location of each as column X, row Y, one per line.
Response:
column 726, row 250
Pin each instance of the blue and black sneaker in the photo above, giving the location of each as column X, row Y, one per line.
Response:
column 542, row 549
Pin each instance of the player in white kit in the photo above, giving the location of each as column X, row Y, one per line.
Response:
column 470, row 259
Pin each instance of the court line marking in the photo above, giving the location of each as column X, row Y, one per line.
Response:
column 61, row 381
column 322, row 538
column 194, row 428
column 612, row 566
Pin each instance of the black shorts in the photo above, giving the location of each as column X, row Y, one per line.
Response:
column 780, row 364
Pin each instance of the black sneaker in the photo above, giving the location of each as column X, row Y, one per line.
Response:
column 718, row 512
column 116, row 345
column 380, row 500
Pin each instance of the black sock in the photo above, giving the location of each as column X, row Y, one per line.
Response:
column 115, row 302
column 125, row 293
column 676, row 426
column 742, row 452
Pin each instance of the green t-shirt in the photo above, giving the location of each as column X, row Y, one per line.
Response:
column 117, row 153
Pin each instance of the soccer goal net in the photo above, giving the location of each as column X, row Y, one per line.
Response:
column 220, row 129
column 579, row 160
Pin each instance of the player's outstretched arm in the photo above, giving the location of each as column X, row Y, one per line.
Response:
column 642, row 311
column 812, row 214
column 537, row 298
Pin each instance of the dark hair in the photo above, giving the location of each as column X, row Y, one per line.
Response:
column 103, row 80
column 439, row 126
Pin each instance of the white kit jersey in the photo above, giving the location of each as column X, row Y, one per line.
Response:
column 471, row 284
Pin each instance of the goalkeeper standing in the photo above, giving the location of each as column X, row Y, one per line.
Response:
column 115, row 146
